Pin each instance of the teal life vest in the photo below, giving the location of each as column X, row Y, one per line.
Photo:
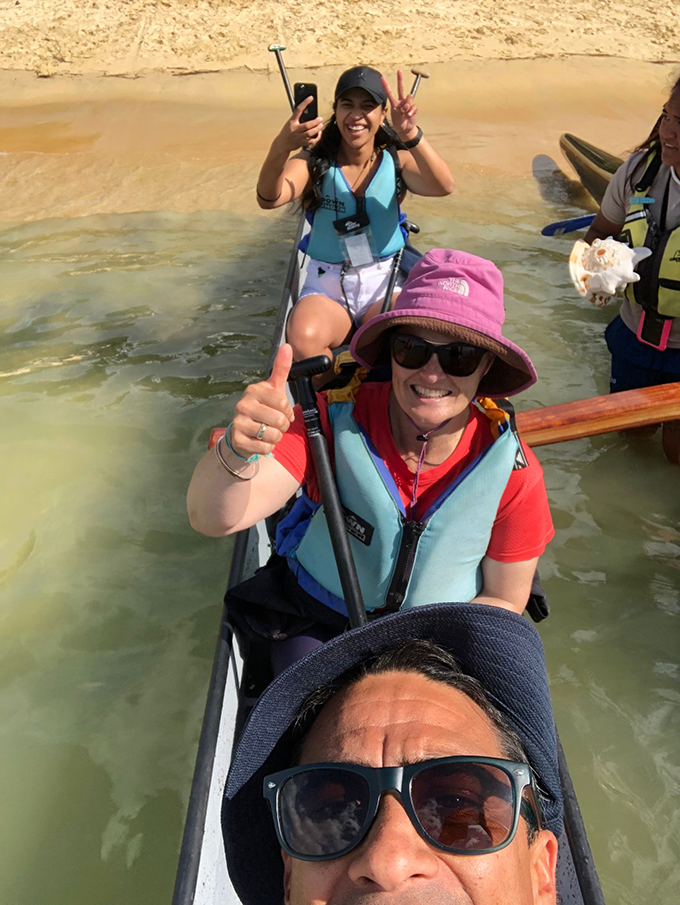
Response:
column 658, row 289
column 338, row 201
column 400, row 562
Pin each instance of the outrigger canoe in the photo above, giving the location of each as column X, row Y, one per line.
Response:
column 594, row 166
column 235, row 684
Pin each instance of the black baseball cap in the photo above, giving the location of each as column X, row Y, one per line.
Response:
column 362, row 77
column 500, row 649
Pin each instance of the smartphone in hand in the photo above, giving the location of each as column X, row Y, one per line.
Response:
column 301, row 91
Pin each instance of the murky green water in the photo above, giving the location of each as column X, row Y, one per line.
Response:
column 124, row 339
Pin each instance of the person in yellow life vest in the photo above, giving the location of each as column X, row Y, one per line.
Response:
column 644, row 339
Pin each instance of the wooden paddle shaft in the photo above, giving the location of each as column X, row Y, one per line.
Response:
column 588, row 417
column 599, row 415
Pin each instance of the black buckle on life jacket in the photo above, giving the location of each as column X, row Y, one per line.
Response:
column 521, row 460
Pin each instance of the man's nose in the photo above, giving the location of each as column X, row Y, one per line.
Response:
column 393, row 853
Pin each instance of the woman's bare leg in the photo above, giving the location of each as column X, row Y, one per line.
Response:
column 376, row 307
column 316, row 326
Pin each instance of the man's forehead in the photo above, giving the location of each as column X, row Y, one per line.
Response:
column 399, row 717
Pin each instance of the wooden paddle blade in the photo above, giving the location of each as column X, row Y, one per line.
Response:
column 599, row 415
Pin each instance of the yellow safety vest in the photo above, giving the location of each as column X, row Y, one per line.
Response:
column 659, row 285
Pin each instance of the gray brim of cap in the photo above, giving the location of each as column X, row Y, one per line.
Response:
column 499, row 648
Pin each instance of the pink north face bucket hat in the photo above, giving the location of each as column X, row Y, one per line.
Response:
column 460, row 296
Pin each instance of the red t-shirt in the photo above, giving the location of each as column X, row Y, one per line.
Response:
column 523, row 525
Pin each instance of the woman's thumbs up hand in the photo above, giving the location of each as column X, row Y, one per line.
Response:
column 263, row 414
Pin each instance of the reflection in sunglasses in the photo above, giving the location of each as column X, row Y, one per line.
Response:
column 323, row 814
column 462, row 804
column 470, row 808
column 457, row 358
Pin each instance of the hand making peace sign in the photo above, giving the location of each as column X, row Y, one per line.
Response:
column 404, row 110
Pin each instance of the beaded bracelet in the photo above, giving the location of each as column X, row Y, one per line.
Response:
column 231, row 449
column 237, row 474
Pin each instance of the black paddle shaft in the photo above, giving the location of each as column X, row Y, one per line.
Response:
column 396, row 264
column 301, row 373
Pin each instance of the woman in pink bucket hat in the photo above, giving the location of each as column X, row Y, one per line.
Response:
column 442, row 500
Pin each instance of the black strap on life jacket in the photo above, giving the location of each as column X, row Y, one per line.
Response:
column 398, row 177
column 649, row 174
column 509, row 409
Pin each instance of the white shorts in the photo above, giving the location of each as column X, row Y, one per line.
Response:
column 363, row 285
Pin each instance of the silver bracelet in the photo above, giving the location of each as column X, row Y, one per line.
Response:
column 237, row 474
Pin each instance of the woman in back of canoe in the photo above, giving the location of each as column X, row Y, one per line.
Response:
column 644, row 339
column 351, row 178
column 443, row 502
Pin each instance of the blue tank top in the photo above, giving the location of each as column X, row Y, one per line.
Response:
column 338, row 201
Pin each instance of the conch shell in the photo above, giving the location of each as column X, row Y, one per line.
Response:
column 599, row 270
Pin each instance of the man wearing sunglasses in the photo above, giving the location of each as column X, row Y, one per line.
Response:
column 377, row 770
column 441, row 499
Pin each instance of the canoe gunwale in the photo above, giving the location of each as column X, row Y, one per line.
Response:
column 194, row 825
column 248, row 545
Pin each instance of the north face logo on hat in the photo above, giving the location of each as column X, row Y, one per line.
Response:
column 455, row 284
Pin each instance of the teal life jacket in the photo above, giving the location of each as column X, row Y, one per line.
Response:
column 380, row 202
column 400, row 562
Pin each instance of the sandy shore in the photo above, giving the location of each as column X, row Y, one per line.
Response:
column 81, row 144
column 122, row 105
column 125, row 37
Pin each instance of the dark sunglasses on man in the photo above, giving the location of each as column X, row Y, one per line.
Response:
column 456, row 359
column 461, row 805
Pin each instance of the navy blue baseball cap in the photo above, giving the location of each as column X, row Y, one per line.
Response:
column 500, row 649
column 362, row 77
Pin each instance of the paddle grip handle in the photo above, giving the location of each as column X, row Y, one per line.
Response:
column 419, row 74
column 309, row 367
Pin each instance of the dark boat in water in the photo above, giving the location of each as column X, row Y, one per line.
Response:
column 594, row 166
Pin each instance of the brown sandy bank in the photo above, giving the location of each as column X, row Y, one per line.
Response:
column 78, row 145
column 128, row 36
